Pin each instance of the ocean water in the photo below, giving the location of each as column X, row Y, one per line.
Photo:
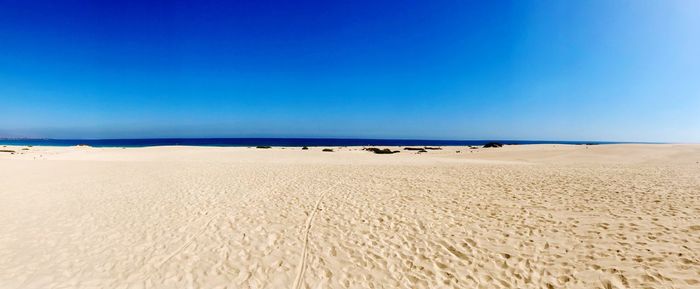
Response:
column 281, row 142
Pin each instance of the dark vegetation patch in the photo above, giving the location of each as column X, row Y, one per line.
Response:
column 328, row 150
column 7, row 151
column 432, row 148
column 263, row 147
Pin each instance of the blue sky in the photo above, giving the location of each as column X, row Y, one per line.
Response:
column 547, row 70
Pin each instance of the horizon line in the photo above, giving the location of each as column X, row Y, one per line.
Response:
column 346, row 138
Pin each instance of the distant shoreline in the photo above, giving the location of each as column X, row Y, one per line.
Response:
column 276, row 142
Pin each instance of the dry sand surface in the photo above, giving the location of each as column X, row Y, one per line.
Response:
column 534, row 216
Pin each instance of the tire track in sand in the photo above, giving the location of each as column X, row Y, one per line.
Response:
column 301, row 267
column 187, row 243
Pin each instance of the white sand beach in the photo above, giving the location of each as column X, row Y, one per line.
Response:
column 527, row 216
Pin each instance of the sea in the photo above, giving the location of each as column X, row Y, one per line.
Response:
column 274, row 142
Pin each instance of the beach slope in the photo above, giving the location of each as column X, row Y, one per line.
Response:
column 527, row 216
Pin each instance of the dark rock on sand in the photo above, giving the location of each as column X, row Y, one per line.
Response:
column 305, row 148
column 263, row 147
column 380, row 151
column 432, row 148
column 412, row 149
column 493, row 145
column 328, row 150
column 7, row 151
column 419, row 150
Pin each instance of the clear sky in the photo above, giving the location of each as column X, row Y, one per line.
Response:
column 538, row 70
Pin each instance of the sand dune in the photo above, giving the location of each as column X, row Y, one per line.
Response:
column 531, row 216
